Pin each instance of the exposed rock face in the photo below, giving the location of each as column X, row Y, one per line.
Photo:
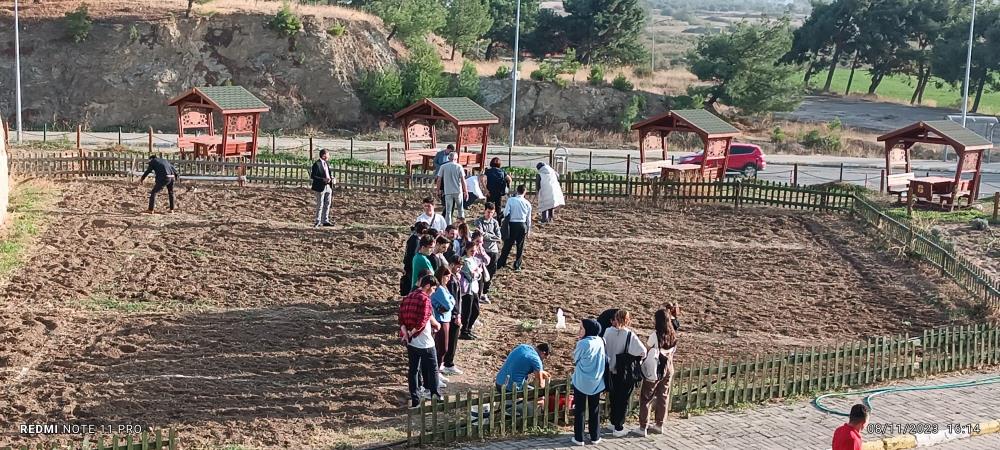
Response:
column 576, row 106
column 123, row 75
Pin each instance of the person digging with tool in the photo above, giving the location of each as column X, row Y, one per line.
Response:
column 164, row 175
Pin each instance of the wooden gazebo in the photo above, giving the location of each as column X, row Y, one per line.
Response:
column 716, row 135
column 967, row 144
column 240, row 112
column 472, row 127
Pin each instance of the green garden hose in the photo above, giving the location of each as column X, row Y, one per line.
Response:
column 871, row 393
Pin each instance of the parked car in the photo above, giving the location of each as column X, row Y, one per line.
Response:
column 746, row 159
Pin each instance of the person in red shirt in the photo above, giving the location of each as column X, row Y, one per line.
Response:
column 848, row 435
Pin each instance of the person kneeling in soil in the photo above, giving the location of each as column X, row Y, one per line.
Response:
column 416, row 329
column 164, row 176
column 523, row 361
column 589, row 360
column 657, row 372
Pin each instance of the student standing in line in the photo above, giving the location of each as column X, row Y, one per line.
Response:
column 416, row 328
column 436, row 221
column 485, row 261
column 490, row 228
column 518, row 216
column 439, row 258
column 657, row 372
column 589, row 360
column 455, row 289
column 412, row 244
column 443, row 304
column 421, row 260
column 622, row 346
column 472, row 271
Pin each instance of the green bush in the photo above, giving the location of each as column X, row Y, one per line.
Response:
column 78, row 24
column 778, row 135
column 683, row 101
column 821, row 141
column 596, row 77
column 835, row 125
column 631, row 113
column 467, row 82
column 503, row 72
column 285, row 22
column 622, row 84
column 336, row 30
column 423, row 73
column 383, row 92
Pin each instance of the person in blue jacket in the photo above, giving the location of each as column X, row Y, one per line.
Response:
column 589, row 360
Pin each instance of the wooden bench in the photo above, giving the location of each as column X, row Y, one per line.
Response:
column 653, row 166
column 963, row 190
column 899, row 184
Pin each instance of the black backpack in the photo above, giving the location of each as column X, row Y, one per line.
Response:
column 628, row 367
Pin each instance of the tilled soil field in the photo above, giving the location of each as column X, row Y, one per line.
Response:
column 234, row 321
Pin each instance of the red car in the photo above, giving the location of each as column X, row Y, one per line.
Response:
column 744, row 158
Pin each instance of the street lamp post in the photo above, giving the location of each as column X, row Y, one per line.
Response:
column 17, row 70
column 652, row 52
column 513, row 80
column 968, row 65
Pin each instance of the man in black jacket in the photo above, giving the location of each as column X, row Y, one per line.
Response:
column 164, row 174
column 322, row 185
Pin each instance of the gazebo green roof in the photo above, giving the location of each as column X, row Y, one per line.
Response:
column 954, row 133
column 225, row 98
column 699, row 119
column 460, row 110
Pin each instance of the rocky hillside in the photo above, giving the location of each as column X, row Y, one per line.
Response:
column 124, row 73
column 126, row 70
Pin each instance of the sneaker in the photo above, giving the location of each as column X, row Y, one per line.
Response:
column 598, row 441
column 656, row 429
column 641, row 432
column 441, row 378
column 467, row 337
column 453, row 370
column 424, row 394
column 620, row 433
column 517, row 270
column 317, row 225
column 327, row 224
column 574, row 441
column 485, row 299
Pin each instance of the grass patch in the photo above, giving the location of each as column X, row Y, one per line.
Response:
column 102, row 302
column 26, row 221
column 528, row 325
column 960, row 216
column 900, row 88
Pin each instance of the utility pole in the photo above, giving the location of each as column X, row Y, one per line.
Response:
column 968, row 65
column 513, row 78
column 17, row 69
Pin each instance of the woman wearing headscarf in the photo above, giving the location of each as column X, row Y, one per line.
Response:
column 588, row 380
column 657, row 372
column 550, row 194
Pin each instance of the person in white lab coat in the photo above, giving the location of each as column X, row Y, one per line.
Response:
column 550, row 194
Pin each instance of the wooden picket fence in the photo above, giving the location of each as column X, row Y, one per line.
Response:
column 148, row 440
column 487, row 414
column 961, row 270
column 380, row 178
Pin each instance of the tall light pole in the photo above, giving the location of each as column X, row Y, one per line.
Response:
column 968, row 65
column 17, row 70
column 652, row 52
column 513, row 79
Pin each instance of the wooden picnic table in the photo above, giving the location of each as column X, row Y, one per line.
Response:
column 212, row 144
column 464, row 159
column 925, row 188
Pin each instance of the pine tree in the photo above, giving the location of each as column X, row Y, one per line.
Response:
column 468, row 20
column 606, row 31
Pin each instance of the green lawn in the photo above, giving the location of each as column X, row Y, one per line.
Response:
column 900, row 88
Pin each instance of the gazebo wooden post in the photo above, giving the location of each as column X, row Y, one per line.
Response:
column 406, row 135
column 458, row 144
column 482, row 157
column 225, row 137
column 253, row 140
column 663, row 143
column 434, row 134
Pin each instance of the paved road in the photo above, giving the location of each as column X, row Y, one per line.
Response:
column 812, row 168
column 858, row 113
column 800, row 425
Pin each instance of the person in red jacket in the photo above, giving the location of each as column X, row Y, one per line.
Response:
column 416, row 329
column 848, row 435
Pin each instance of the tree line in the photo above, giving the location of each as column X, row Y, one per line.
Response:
column 918, row 38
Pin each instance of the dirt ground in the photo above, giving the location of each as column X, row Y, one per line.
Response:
column 236, row 322
column 980, row 246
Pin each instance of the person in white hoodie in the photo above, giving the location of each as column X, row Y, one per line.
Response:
column 550, row 194
column 588, row 380
column 657, row 371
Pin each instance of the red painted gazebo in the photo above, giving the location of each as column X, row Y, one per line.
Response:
column 240, row 111
column 716, row 134
column 472, row 127
column 967, row 144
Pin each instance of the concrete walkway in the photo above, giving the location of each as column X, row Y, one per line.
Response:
column 802, row 426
